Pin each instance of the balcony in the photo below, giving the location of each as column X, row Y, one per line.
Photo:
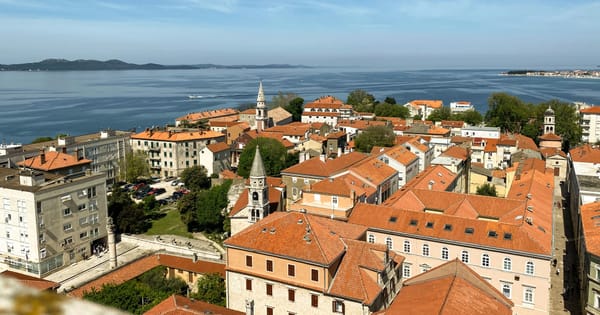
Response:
column 155, row 167
column 154, row 149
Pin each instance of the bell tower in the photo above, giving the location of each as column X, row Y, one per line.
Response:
column 549, row 121
column 258, row 191
column 261, row 110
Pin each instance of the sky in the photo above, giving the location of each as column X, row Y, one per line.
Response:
column 425, row 34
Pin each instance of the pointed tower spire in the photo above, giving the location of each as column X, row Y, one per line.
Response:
column 260, row 99
column 261, row 110
column 258, row 168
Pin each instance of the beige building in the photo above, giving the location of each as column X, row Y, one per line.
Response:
column 590, row 124
column 50, row 221
column 169, row 152
column 589, row 258
column 326, row 109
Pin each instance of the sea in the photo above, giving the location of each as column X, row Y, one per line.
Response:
column 35, row 104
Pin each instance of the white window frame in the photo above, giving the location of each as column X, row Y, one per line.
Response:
column 508, row 287
column 464, row 256
column 389, row 243
column 406, row 246
column 528, row 294
column 406, row 271
column 371, row 238
column 485, row 260
column 507, row 264
column 425, row 250
column 445, row 253
column 529, row 268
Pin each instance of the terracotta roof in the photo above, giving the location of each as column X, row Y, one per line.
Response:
column 228, row 174
column 356, row 277
column 53, row 160
column 506, row 140
column 525, row 143
column 415, row 143
column 428, row 103
column 460, row 139
column 335, row 135
column 187, row 264
column 547, row 152
column 218, row 147
column 373, row 170
column 249, row 111
column 331, row 186
column 399, row 153
column 585, row 153
column 591, row 110
column 449, row 289
column 438, row 176
column 317, row 138
column 318, row 168
column 453, row 123
column 208, row 114
column 177, row 136
column 285, row 234
column 293, row 129
column 550, row 137
column 324, row 114
column 325, row 102
column 30, row 281
column 360, row 124
column 179, row 305
column 457, row 152
column 223, row 122
column 590, row 220
column 279, row 114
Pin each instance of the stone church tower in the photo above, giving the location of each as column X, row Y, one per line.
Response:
column 549, row 121
column 258, row 190
column 262, row 118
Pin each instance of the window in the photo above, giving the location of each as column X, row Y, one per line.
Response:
column 249, row 261
column 389, row 243
column 269, row 288
column 83, row 235
column 291, row 270
column 464, row 256
column 506, row 289
column 67, row 211
column 425, row 249
column 314, row 300
column 269, row 265
column 291, row 295
column 529, row 268
column 249, row 284
column 294, row 179
column 407, row 246
column 485, row 260
column 528, row 294
column 314, row 275
column 269, row 310
column 507, row 264
column 67, row 227
column 371, row 238
column 445, row 253
column 406, row 271
column 334, row 201
column 338, row 306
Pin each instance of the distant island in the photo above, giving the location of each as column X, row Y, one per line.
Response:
column 582, row 74
column 114, row 64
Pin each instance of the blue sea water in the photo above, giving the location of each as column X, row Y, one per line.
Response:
column 34, row 104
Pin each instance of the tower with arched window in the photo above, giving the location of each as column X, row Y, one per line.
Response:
column 258, row 190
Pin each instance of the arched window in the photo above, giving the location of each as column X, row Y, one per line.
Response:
column 389, row 243
column 464, row 256
column 445, row 253
column 371, row 238
column 485, row 260
column 255, row 196
column 529, row 268
column 425, row 249
column 507, row 264
column 407, row 246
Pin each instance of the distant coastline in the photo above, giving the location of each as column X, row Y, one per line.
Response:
column 115, row 64
column 577, row 74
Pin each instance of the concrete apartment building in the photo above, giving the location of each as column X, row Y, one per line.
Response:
column 423, row 108
column 326, row 109
column 170, row 152
column 49, row 221
column 506, row 241
column 589, row 258
column 296, row 263
column 590, row 124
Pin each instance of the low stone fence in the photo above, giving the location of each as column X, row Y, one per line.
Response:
column 174, row 244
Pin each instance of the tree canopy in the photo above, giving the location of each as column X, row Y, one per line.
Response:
column 507, row 112
column 273, row 153
column 295, row 107
column 391, row 110
column 211, row 289
column 128, row 216
column 471, row 117
column 282, row 99
column 374, row 136
column 361, row 100
column 195, row 178
column 487, row 190
column 203, row 210
column 134, row 166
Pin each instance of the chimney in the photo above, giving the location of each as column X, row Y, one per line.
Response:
column 430, row 185
column 353, row 195
column 322, row 157
column 42, row 156
column 64, row 150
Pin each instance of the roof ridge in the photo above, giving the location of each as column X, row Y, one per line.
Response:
column 448, row 292
column 316, row 238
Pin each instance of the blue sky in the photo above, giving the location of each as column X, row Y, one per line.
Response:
column 378, row 33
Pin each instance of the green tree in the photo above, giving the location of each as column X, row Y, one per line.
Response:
column 471, row 117
column 134, row 166
column 374, row 136
column 283, row 99
column 566, row 118
column 273, row 153
column 128, row 216
column 439, row 114
column 487, row 190
column 187, row 210
column 507, row 112
column 390, row 100
column 295, row 107
column 211, row 289
column 361, row 100
column 391, row 110
column 210, row 205
column 42, row 139
column 195, row 178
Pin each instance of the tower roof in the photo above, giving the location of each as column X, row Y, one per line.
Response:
column 549, row 111
column 261, row 94
column 258, row 168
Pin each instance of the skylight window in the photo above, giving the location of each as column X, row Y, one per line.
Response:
column 469, row 230
column 507, row 236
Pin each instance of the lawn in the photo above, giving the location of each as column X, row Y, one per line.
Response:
column 169, row 224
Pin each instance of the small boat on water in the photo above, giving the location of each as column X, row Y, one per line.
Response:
column 194, row 96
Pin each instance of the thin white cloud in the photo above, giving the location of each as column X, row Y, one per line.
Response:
column 114, row 6
column 222, row 6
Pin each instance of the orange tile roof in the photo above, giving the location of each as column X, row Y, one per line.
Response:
column 177, row 136
column 285, row 234
column 317, row 138
column 418, row 145
column 325, row 102
column 440, row 177
column 591, row 110
column 331, row 186
column 249, row 111
column 396, row 121
column 590, row 220
column 373, row 170
column 228, row 174
column 434, row 130
column 293, row 129
column 353, row 279
column 53, row 160
column 548, row 152
column 428, row 103
column 550, row 137
column 179, row 305
column 461, row 139
column 335, row 135
column 399, row 153
column 316, row 167
column 221, row 122
column 187, row 264
column 191, row 117
column 449, row 289
column 507, row 140
column 242, row 202
column 525, row 143
column 457, row 152
column 453, row 123
column 29, row 281
column 586, row 153
column 218, row 147
column 324, row 114
column 360, row 124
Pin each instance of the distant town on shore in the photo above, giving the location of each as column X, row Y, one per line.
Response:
column 582, row 74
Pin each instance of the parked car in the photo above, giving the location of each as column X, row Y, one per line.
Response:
column 175, row 182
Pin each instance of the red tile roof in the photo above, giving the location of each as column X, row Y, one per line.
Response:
column 360, row 124
column 525, row 143
column 591, row 110
column 548, row 152
column 177, row 136
column 325, row 102
column 590, row 220
column 457, row 152
column 453, row 123
column 586, row 153
column 52, row 161
column 274, row 234
column 373, row 171
column 187, row 264
column 449, row 289
column 318, row 168
column 179, row 305
column 438, row 176
column 30, row 281
column 242, row 202
column 191, row 117
column 428, row 103
column 399, row 153
column 218, row 147
column 550, row 137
